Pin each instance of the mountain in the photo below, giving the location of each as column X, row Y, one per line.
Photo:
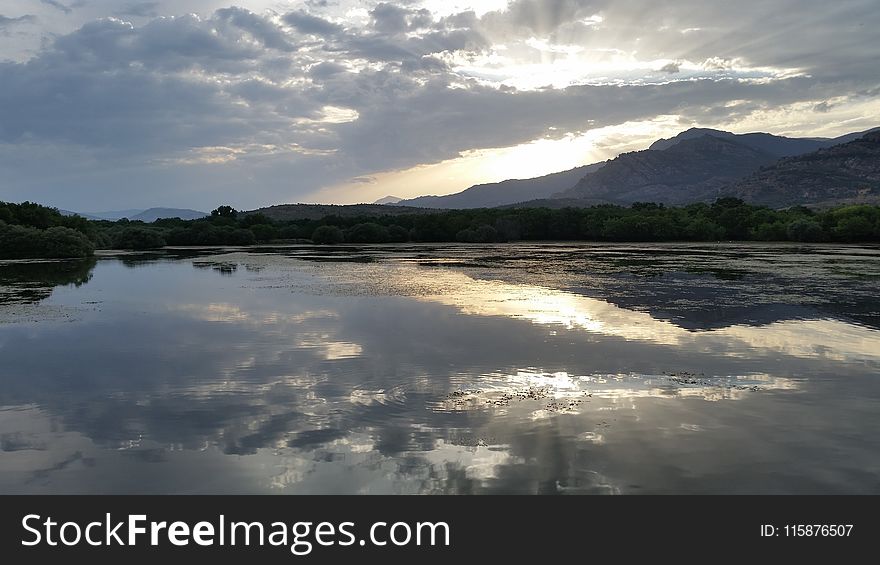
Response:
column 112, row 215
column 388, row 200
column 505, row 192
column 86, row 216
column 691, row 170
column 154, row 214
column 662, row 144
column 290, row 212
column 853, row 136
column 841, row 174
column 777, row 145
column 147, row 216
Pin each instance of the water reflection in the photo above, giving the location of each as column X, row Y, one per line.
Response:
column 830, row 338
column 284, row 375
column 28, row 282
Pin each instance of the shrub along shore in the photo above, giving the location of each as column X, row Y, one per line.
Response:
column 29, row 230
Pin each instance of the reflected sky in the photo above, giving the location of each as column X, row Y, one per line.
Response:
column 445, row 369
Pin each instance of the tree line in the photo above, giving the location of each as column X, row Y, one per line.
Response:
column 31, row 230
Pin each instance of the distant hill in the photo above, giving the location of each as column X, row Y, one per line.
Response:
column 505, row 192
column 691, row 170
column 388, row 200
column 290, row 212
column 852, row 136
column 113, row 215
column 86, row 216
column 147, row 216
column 848, row 173
column 154, row 214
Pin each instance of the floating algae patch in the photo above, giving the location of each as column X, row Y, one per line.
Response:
column 561, row 393
column 26, row 285
column 35, row 313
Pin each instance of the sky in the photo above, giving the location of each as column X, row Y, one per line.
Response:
column 197, row 103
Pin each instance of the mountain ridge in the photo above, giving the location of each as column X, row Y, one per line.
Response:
column 510, row 191
column 148, row 215
column 692, row 170
column 847, row 173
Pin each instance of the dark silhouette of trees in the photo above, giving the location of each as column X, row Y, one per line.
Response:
column 264, row 232
column 31, row 230
column 22, row 242
column 481, row 234
column 397, row 234
column 327, row 235
column 224, row 212
column 138, row 238
column 367, row 233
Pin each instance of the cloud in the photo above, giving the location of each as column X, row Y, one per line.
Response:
column 327, row 93
column 57, row 5
column 823, row 107
column 312, row 25
column 363, row 180
column 326, row 70
column 393, row 20
column 267, row 32
column 8, row 22
column 140, row 9
column 539, row 18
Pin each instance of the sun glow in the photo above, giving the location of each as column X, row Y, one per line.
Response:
column 551, row 154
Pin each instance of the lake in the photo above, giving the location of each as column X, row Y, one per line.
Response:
column 457, row 369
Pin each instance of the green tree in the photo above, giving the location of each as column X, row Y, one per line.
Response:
column 398, row 234
column 255, row 219
column 264, row 232
column 327, row 235
column 854, row 228
column 61, row 242
column 367, row 233
column 770, row 231
column 242, row 237
column 805, row 230
column 138, row 238
column 224, row 212
column 23, row 242
column 481, row 234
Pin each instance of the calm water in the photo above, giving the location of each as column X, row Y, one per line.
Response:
column 444, row 369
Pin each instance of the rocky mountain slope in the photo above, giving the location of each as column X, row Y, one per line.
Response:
column 848, row 173
column 691, row 170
